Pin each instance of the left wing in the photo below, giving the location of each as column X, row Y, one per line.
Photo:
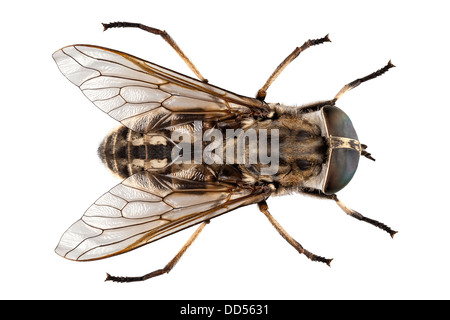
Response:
column 147, row 207
column 144, row 96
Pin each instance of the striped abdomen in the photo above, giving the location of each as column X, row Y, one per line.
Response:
column 126, row 152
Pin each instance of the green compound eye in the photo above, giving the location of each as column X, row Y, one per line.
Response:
column 338, row 123
column 342, row 167
column 343, row 162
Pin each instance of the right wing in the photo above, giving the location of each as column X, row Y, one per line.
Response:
column 144, row 96
column 147, row 207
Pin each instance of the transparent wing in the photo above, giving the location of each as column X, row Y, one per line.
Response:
column 144, row 208
column 144, row 96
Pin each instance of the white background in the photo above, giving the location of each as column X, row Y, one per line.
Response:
column 51, row 173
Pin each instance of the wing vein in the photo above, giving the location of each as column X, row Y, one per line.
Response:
column 111, row 61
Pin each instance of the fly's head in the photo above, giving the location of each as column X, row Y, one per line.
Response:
column 344, row 149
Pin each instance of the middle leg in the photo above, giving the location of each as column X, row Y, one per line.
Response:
column 263, row 207
column 263, row 91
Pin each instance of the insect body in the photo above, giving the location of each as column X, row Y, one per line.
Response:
column 189, row 151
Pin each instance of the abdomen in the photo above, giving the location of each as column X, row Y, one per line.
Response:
column 126, row 152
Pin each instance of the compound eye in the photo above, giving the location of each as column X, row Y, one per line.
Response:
column 338, row 123
column 343, row 162
column 341, row 168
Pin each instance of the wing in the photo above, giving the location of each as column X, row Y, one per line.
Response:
column 147, row 207
column 144, row 96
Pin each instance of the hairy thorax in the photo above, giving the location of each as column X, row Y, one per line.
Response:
column 301, row 151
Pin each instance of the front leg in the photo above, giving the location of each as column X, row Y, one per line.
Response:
column 353, row 213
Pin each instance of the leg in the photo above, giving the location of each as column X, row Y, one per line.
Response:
column 264, row 209
column 167, row 268
column 164, row 35
column 357, row 82
column 263, row 91
column 319, row 105
column 351, row 212
column 364, row 153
